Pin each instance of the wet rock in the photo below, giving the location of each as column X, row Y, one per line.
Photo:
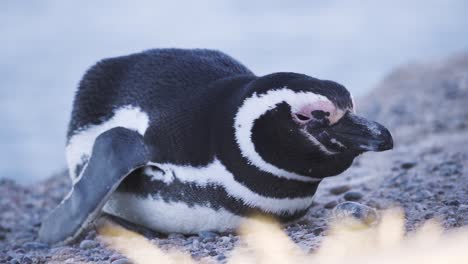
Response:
column 353, row 196
column 352, row 210
column 87, row 244
column 337, row 190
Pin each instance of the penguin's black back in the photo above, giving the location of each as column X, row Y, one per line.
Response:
column 155, row 80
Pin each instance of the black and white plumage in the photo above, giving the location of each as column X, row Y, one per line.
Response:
column 191, row 140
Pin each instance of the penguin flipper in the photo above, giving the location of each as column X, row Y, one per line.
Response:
column 116, row 153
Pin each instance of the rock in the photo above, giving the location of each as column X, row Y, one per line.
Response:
column 337, row 190
column 330, row 205
column 352, row 210
column 353, row 196
column 35, row 246
column 87, row 244
column 408, row 165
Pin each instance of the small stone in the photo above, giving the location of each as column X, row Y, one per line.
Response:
column 121, row 261
column 352, row 210
column 224, row 240
column 195, row 243
column 330, row 205
column 408, row 165
column 337, row 190
column 35, row 246
column 87, row 244
column 220, row 257
column 353, row 196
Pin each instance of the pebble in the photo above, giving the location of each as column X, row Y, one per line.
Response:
column 87, row 244
column 363, row 213
column 353, row 196
column 330, row 205
column 337, row 190
column 317, row 231
column 224, row 240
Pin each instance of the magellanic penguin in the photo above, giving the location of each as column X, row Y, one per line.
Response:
column 191, row 140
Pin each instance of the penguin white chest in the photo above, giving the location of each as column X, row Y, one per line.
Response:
column 195, row 199
column 170, row 217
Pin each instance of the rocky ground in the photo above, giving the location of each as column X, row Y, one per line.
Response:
column 425, row 107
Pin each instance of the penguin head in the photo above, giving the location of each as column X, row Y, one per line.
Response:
column 299, row 126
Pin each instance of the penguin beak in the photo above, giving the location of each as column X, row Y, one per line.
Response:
column 359, row 134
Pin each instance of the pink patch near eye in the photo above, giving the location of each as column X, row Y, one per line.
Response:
column 304, row 113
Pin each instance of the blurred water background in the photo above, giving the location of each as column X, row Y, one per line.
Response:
column 46, row 46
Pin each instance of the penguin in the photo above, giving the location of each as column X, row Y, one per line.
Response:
column 190, row 140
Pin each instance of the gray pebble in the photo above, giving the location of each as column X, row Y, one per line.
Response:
column 330, row 204
column 408, row 165
column 224, row 240
column 317, row 231
column 87, row 244
column 363, row 213
column 121, row 261
column 353, row 196
column 196, row 243
column 337, row 190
